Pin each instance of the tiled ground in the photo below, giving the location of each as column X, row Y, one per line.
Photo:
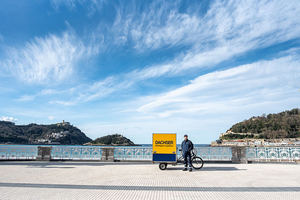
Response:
column 95, row 180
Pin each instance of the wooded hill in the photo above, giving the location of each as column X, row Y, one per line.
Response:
column 272, row 126
column 60, row 133
column 114, row 140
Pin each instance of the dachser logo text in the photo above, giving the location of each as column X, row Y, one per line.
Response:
column 163, row 142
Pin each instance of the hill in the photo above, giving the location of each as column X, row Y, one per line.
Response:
column 60, row 133
column 272, row 126
column 114, row 140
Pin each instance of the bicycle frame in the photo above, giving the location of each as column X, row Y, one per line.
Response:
column 181, row 159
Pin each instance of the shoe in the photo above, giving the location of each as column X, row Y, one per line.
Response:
column 190, row 170
column 185, row 169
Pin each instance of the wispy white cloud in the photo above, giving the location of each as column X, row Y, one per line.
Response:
column 97, row 90
column 47, row 60
column 8, row 119
column 121, row 83
column 91, row 5
column 69, row 3
column 198, row 40
column 225, row 22
column 26, row 98
column 43, row 92
column 51, row 117
column 263, row 82
column 73, row 3
column 227, row 30
column 209, row 104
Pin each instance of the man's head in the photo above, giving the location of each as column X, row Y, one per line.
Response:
column 185, row 137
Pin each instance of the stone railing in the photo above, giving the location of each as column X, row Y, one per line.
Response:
column 145, row 153
column 214, row 153
column 18, row 152
column 273, row 154
column 76, row 153
column 140, row 153
column 133, row 153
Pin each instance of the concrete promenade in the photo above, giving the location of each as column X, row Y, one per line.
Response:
column 101, row 180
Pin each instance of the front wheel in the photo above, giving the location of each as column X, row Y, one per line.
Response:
column 197, row 162
column 163, row 166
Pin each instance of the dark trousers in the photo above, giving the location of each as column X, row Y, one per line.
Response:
column 187, row 159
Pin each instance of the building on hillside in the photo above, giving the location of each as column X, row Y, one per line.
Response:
column 63, row 123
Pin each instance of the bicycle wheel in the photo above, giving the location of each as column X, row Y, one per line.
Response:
column 197, row 162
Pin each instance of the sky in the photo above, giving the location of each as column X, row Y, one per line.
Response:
column 142, row 67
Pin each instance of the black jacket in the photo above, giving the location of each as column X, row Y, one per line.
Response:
column 186, row 146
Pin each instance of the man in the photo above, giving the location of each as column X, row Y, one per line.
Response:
column 186, row 147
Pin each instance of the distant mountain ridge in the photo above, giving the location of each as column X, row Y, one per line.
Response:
column 60, row 133
column 272, row 126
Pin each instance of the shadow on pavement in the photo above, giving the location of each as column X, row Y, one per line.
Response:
column 152, row 188
column 208, row 168
column 69, row 165
column 65, row 164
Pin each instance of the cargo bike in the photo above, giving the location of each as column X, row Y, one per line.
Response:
column 164, row 152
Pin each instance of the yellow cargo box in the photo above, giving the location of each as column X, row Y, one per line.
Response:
column 164, row 147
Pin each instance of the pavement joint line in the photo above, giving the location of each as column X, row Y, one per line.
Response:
column 154, row 188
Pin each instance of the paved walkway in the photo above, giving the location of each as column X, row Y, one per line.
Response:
column 95, row 180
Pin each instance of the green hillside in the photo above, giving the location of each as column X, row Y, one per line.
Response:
column 115, row 139
column 60, row 133
column 272, row 126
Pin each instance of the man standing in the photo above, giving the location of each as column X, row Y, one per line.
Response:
column 187, row 146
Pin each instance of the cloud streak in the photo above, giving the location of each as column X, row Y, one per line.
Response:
column 92, row 5
column 173, row 66
column 8, row 119
column 163, row 24
column 232, row 89
column 47, row 60
column 227, row 30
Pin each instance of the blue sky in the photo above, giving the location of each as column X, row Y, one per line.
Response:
column 138, row 67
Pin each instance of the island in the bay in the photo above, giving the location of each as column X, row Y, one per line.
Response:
column 60, row 133
column 113, row 140
column 266, row 130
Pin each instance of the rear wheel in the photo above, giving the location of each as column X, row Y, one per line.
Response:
column 197, row 162
column 163, row 166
